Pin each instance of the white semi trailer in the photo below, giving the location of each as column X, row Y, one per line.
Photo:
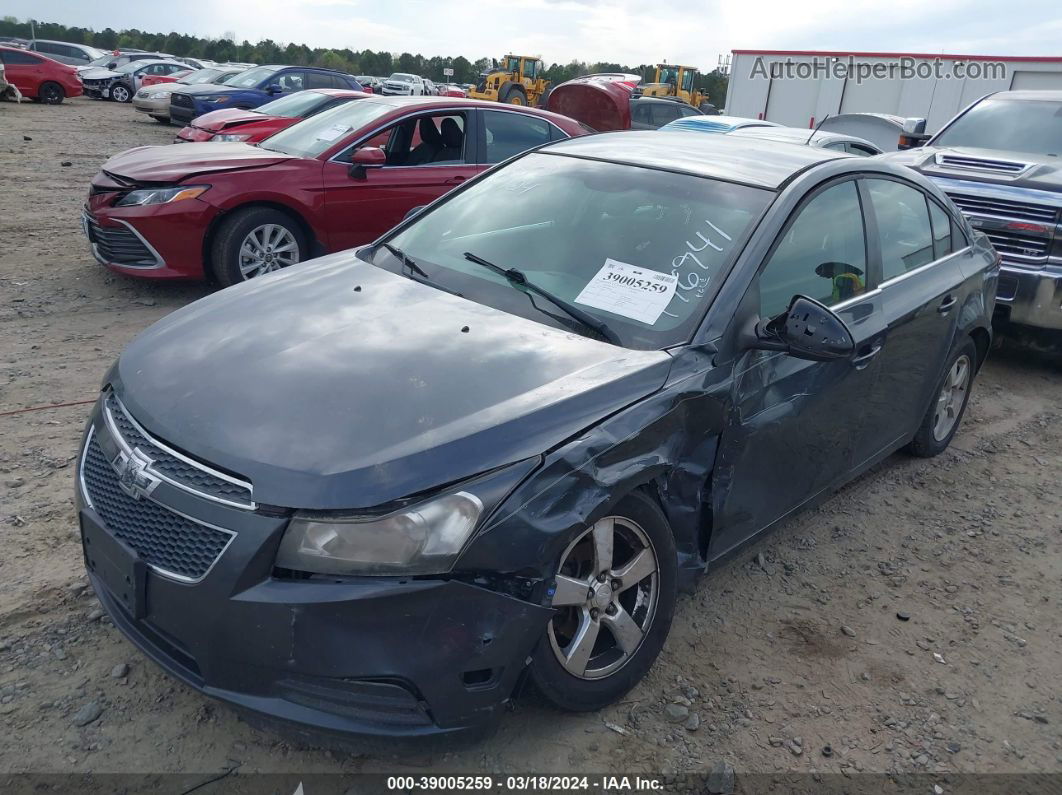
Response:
column 799, row 88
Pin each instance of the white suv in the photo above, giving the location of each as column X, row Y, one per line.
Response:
column 404, row 84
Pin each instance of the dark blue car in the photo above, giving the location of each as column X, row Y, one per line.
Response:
column 253, row 88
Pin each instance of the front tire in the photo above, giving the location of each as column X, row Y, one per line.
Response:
column 121, row 93
column 615, row 595
column 254, row 241
column 161, row 119
column 945, row 413
column 51, row 93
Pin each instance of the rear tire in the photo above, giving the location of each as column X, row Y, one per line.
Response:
column 51, row 93
column 643, row 605
column 952, row 393
column 239, row 250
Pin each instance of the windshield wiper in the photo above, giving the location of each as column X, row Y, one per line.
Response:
column 406, row 260
column 517, row 277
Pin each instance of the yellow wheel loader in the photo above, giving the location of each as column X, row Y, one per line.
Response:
column 675, row 81
column 516, row 81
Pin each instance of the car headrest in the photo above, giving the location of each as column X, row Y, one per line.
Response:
column 429, row 133
column 451, row 134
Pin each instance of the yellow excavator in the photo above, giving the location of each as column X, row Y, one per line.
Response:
column 517, row 80
column 675, row 81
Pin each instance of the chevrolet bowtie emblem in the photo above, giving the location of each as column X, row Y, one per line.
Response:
column 133, row 475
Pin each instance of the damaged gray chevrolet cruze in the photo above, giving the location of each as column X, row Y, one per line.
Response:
column 376, row 493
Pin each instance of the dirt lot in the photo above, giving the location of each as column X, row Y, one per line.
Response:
column 788, row 648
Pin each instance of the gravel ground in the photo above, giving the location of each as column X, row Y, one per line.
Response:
column 793, row 646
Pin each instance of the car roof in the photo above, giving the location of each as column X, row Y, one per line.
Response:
column 340, row 92
column 800, row 136
column 761, row 164
column 426, row 103
column 717, row 124
column 1048, row 95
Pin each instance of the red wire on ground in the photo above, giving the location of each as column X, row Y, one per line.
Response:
column 52, row 406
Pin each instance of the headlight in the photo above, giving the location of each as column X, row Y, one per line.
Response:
column 230, row 137
column 216, row 98
column 160, row 195
column 422, row 539
column 159, row 95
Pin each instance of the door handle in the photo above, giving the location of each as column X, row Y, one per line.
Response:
column 947, row 304
column 863, row 359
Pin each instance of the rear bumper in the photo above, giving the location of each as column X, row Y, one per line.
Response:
column 1030, row 297
column 366, row 656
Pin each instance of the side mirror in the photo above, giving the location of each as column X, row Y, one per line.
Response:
column 411, row 213
column 807, row 330
column 275, row 89
column 913, row 133
column 365, row 158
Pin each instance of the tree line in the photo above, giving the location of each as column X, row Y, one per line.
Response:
column 358, row 62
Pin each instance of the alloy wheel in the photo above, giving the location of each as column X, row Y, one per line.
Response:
column 606, row 596
column 120, row 94
column 952, row 397
column 267, row 248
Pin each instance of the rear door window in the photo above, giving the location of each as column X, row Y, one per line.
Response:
column 941, row 222
column 319, row 80
column 664, row 112
column 510, row 134
column 903, row 226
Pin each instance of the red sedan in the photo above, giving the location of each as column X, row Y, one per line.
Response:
column 339, row 179
column 38, row 77
column 151, row 80
column 257, row 124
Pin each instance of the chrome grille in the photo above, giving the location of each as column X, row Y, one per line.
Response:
column 1004, row 208
column 117, row 244
column 981, row 164
column 166, row 541
column 1013, row 244
column 175, row 468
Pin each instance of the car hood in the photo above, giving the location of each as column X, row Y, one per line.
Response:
column 98, row 73
column 327, row 396
column 1041, row 171
column 229, row 117
column 209, row 88
column 174, row 163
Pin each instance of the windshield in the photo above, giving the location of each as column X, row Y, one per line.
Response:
column 310, row 137
column 200, row 76
column 297, row 105
column 252, row 77
column 1014, row 125
column 640, row 249
column 398, row 77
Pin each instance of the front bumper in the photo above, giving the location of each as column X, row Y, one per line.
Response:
column 370, row 656
column 164, row 241
column 153, row 107
column 1030, row 296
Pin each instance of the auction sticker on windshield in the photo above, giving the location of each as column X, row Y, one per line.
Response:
column 333, row 132
column 627, row 290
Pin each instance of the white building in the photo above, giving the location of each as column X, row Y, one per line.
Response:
column 799, row 88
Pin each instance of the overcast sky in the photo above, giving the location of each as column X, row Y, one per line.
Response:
column 679, row 31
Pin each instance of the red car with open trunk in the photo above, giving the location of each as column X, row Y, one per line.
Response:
column 38, row 77
column 257, row 124
column 339, row 179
